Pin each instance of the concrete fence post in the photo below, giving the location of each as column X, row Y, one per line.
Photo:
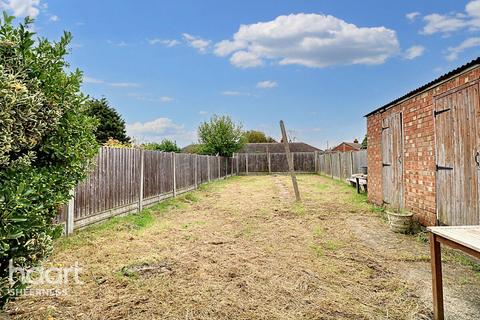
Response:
column 269, row 163
column 315, row 154
column 174, row 175
column 70, row 213
column 140, row 196
column 219, row 171
column 246, row 164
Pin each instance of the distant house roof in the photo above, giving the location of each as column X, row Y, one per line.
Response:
column 277, row 147
column 472, row 64
column 354, row 145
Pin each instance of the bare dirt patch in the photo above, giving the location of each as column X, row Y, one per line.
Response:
column 244, row 249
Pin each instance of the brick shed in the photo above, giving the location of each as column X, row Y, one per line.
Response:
column 424, row 150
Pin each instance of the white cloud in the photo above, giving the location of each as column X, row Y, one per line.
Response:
column 196, row 42
column 54, row 18
column 442, row 23
column 310, row 40
column 413, row 52
column 202, row 112
column 234, row 93
column 267, row 84
column 165, row 42
column 159, row 129
column 412, row 15
column 118, row 44
column 22, row 8
column 453, row 52
column 166, row 99
column 454, row 21
column 124, row 84
column 91, row 80
column 149, row 98
column 245, row 59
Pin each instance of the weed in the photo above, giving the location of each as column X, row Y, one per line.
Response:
column 298, row 208
column 318, row 232
column 317, row 250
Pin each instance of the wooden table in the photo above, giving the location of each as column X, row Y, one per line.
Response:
column 359, row 179
column 465, row 238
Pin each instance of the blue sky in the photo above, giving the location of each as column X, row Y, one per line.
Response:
column 318, row 65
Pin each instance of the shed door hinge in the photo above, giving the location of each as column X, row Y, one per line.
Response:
column 436, row 113
column 443, row 168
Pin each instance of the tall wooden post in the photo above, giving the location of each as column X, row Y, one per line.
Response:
column 246, row 164
column 219, row 171
column 290, row 160
column 174, row 175
column 315, row 154
column 140, row 197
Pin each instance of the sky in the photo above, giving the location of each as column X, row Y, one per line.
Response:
column 320, row 65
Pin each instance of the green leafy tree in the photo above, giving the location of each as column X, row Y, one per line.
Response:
column 254, row 136
column 111, row 125
column 47, row 142
column 365, row 142
column 193, row 148
column 220, row 135
column 166, row 145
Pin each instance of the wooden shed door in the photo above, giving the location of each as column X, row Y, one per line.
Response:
column 392, row 160
column 457, row 139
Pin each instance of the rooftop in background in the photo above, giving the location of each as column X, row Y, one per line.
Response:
column 277, row 147
column 347, row 146
column 437, row 81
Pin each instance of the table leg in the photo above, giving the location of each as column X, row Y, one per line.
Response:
column 437, row 286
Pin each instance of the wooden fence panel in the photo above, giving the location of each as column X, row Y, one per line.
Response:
column 242, row 163
column 119, row 176
column 213, row 167
column 341, row 165
column 114, row 182
column 257, row 162
column 304, row 161
column 202, row 168
column 184, row 171
column 278, row 162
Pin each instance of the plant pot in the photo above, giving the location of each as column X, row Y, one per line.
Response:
column 400, row 222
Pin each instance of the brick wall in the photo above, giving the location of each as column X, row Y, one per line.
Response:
column 418, row 146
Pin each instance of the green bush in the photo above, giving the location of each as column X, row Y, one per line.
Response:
column 220, row 136
column 46, row 144
column 165, row 145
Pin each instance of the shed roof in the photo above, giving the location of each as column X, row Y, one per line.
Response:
column 277, row 147
column 442, row 78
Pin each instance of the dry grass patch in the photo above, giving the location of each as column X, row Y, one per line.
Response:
column 235, row 249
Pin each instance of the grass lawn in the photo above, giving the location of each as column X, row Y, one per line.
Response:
column 243, row 249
